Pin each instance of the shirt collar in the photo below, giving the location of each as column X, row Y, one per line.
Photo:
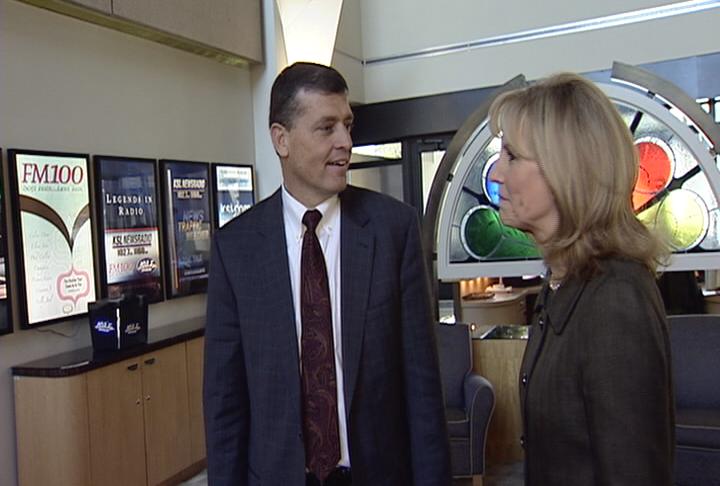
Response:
column 294, row 211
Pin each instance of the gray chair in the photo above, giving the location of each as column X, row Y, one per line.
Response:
column 695, row 345
column 469, row 400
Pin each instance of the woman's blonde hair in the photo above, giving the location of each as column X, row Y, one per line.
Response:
column 588, row 158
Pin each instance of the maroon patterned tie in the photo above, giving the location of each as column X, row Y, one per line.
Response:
column 320, row 416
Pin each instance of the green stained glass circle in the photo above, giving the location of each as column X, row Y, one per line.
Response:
column 485, row 237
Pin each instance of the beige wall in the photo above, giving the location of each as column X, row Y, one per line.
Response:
column 403, row 26
column 67, row 85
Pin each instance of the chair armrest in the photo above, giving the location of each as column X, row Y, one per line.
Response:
column 479, row 405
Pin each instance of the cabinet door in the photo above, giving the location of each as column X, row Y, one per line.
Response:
column 167, row 423
column 117, row 440
column 195, row 353
column 52, row 433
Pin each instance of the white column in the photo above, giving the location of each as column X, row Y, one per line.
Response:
column 267, row 164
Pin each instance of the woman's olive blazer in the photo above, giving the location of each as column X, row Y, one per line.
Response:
column 596, row 385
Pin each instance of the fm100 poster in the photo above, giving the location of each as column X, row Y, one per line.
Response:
column 54, row 235
column 233, row 191
column 186, row 204
column 5, row 320
column 128, row 232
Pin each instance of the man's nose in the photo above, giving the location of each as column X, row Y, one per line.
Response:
column 343, row 139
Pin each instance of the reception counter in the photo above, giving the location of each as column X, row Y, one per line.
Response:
column 497, row 355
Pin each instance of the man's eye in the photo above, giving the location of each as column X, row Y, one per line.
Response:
column 349, row 126
column 326, row 128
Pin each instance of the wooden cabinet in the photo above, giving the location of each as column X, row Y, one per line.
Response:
column 116, row 423
column 52, row 433
column 139, row 419
column 127, row 423
column 167, row 414
column 195, row 354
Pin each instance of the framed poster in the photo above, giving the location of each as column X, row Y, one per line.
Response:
column 6, row 325
column 128, row 227
column 233, row 191
column 53, row 235
column 186, row 212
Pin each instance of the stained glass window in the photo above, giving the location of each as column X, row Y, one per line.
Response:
column 672, row 194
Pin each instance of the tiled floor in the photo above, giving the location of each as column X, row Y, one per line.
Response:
column 506, row 475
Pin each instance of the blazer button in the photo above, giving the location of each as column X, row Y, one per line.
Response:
column 541, row 322
column 524, row 379
column 523, row 443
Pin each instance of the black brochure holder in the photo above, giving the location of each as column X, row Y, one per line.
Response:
column 118, row 323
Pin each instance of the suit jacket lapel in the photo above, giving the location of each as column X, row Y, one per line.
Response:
column 272, row 256
column 356, row 258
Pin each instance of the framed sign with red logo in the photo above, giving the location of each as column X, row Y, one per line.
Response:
column 128, row 227
column 53, row 235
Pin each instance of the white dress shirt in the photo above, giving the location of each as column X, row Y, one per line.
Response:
column 328, row 233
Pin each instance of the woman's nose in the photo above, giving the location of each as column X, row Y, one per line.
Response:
column 497, row 171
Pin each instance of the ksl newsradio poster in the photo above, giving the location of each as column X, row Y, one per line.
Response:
column 55, row 234
column 233, row 190
column 128, row 226
column 187, row 223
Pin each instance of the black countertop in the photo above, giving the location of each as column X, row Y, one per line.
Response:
column 507, row 331
column 86, row 359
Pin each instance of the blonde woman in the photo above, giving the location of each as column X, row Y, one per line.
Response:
column 595, row 383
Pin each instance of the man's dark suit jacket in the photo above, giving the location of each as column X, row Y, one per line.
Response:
column 596, row 384
column 395, row 417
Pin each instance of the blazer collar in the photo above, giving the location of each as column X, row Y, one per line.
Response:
column 357, row 252
column 559, row 305
column 271, row 213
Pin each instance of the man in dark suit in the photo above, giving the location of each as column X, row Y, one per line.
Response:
column 320, row 360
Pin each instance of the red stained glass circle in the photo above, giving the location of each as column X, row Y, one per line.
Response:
column 655, row 171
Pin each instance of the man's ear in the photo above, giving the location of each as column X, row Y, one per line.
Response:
column 279, row 136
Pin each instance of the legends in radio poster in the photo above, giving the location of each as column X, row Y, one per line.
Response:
column 233, row 190
column 188, row 225
column 129, row 225
column 55, row 234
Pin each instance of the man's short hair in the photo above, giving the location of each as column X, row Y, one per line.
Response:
column 284, row 108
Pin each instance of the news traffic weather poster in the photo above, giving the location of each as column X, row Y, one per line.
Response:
column 233, row 191
column 55, row 235
column 129, row 227
column 187, row 225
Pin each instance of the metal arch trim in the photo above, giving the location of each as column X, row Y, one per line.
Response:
column 672, row 93
column 436, row 214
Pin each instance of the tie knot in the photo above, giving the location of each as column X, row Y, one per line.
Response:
column 311, row 219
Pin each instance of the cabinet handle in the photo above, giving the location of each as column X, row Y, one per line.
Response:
column 150, row 361
column 137, row 402
column 147, row 397
column 133, row 367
